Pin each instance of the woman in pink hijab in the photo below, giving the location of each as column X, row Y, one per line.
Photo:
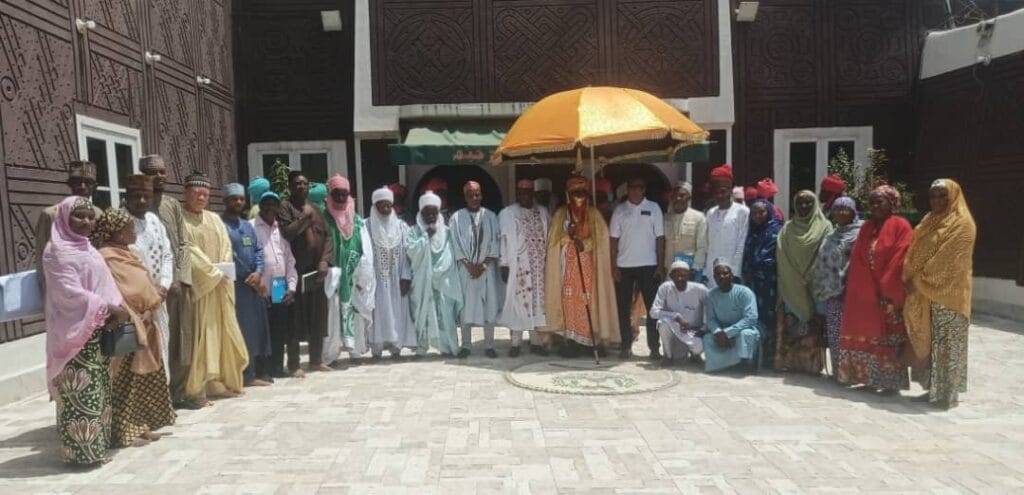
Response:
column 81, row 301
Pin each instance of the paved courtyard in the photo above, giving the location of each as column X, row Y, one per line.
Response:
column 449, row 427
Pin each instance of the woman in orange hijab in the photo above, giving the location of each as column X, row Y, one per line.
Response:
column 938, row 275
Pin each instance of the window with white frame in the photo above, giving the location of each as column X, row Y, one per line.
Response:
column 317, row 159
column 802, row 156
column 115, row 150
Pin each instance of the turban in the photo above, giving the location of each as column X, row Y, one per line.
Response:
column 737, row 193
column 723, row 172
column 269, row 195
column 576, row 183
column 722, row 262
column 471, row 186
column 833, row 184
column 197, row 179
column 82, row 169
column 749, row 194
column 110, row 223
column 603, row 186
column 542, row 184
column 525, row 184
column 317, row 194
column 382, row 194
column 151, row 162
column 766, row 188
column 344, row 213
column 430, row 199
column 939, row 184
column 138, row 182
column 891, row 195
column 234, row 189
column 257, row 187
column 678, row 265
column 686, row 186
column 845, row 202
column 82, row 204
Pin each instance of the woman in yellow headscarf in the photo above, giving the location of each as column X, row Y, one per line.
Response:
column 937, row 312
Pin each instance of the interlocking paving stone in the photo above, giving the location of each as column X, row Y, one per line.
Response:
column 449, row 426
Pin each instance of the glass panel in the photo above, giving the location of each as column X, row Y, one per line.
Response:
column 96, row 152
column 269, row 159
column 123, row 155
column 101, row 198
column 801, row 167
column 835, row 146
column 314, row 165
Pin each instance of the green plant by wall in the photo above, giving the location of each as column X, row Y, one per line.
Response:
column 862, row 178
column 279, row 178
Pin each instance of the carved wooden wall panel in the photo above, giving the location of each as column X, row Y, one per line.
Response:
column 969, row 127
column 826, row 63
column 450, row 51
column 294, row 80
column 177, row 111
column 214, row 39
column 49, row 72
column 666, row 47
column 541, row 48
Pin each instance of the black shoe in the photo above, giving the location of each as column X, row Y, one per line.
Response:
column 625, row 354
column 538, row 350
column 187, row 404
column 655, row 355
column 513, row 352
column 491, row 353
column 601, row 351
column 464, row 353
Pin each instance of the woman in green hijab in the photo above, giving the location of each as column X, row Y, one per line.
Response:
column 799, row 327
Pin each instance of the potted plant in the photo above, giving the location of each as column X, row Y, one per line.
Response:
column 862, row 178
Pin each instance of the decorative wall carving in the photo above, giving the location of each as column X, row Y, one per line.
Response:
column 969, row 129
column 454, row 51
column 48, row 72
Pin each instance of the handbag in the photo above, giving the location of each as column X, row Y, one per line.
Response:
column 121, row 340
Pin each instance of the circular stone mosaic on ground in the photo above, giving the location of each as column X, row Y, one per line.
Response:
column 582, row 378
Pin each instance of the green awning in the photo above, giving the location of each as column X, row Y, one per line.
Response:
column 448, row 144
column 693, row 153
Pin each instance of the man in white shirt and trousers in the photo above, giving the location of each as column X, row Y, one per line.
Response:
column 637, row 245
column 679, row 309
column 727, row 223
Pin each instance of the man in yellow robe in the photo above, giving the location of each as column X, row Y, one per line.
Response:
column 578, row 238
column 219, row 355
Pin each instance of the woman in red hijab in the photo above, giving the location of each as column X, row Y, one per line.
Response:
column 873, row 332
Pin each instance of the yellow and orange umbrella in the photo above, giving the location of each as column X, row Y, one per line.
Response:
column 608, row 124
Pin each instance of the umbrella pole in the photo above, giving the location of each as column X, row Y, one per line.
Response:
column 586, row 303
column 593, row 184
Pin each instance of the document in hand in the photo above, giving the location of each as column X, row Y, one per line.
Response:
column 20, row 296
column 228, row 269
column 309, row 282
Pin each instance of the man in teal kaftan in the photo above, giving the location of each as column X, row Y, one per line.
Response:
column 733, row 329
column 436, row 292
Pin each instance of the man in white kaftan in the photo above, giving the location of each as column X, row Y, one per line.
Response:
column 476, row 246
column 392, row 321
column 679, row 309
column 153, row 247
column 436, row 293
column 727, row 223
column 524, row 232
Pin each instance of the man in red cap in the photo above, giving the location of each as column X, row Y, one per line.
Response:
column 727, row 222
column 832, row 187
column 475, row 245
column 766, row 189
column 603, row 188
column 524, row 238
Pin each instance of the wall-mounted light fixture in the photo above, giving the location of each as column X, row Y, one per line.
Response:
column 153, row 58
column 202, row 81
column 747, row 11
column 84, row 25
column 331, row 20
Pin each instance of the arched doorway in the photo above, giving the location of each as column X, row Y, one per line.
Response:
column 455, row 177
column 658, row 185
